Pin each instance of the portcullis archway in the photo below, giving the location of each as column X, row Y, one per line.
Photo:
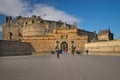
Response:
column 64, row 45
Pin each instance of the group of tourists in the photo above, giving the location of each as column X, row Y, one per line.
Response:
column 65, row 51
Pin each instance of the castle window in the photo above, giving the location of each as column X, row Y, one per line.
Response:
column 26, row 23
column 64, row 36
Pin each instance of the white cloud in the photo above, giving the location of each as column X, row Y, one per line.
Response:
column 18, row 7
column 12, row 7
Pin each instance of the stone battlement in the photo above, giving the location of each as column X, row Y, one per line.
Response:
column 104, row 47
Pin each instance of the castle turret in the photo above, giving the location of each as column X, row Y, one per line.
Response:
column 75, row 25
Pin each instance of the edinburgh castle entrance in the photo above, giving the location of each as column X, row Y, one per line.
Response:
column 64, row 46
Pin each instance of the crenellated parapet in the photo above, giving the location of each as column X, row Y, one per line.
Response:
column 15, row 28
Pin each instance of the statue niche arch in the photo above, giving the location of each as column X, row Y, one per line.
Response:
column 64, row 45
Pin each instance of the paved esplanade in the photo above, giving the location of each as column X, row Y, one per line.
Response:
column 68, row 67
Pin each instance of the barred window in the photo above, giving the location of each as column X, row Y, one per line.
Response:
column 64, row 36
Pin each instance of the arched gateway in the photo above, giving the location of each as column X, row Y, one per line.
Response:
column 64, row 45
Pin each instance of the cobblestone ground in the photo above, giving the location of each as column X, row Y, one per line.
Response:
column 67, row 67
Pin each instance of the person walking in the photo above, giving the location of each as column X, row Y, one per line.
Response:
column 65, row 50
column 73, row 50
column 57, row 51
column 87, row 51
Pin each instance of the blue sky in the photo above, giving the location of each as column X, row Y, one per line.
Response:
column 89, row 14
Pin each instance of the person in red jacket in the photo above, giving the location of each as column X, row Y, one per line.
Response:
column 65, row 50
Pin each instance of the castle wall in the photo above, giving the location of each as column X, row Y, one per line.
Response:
column 40, row 44
column 107, row 47
column 33, row 30
column 103, row 37
column 48, row 44
column 14, row 48
column 14, row 31
column 5, row 33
